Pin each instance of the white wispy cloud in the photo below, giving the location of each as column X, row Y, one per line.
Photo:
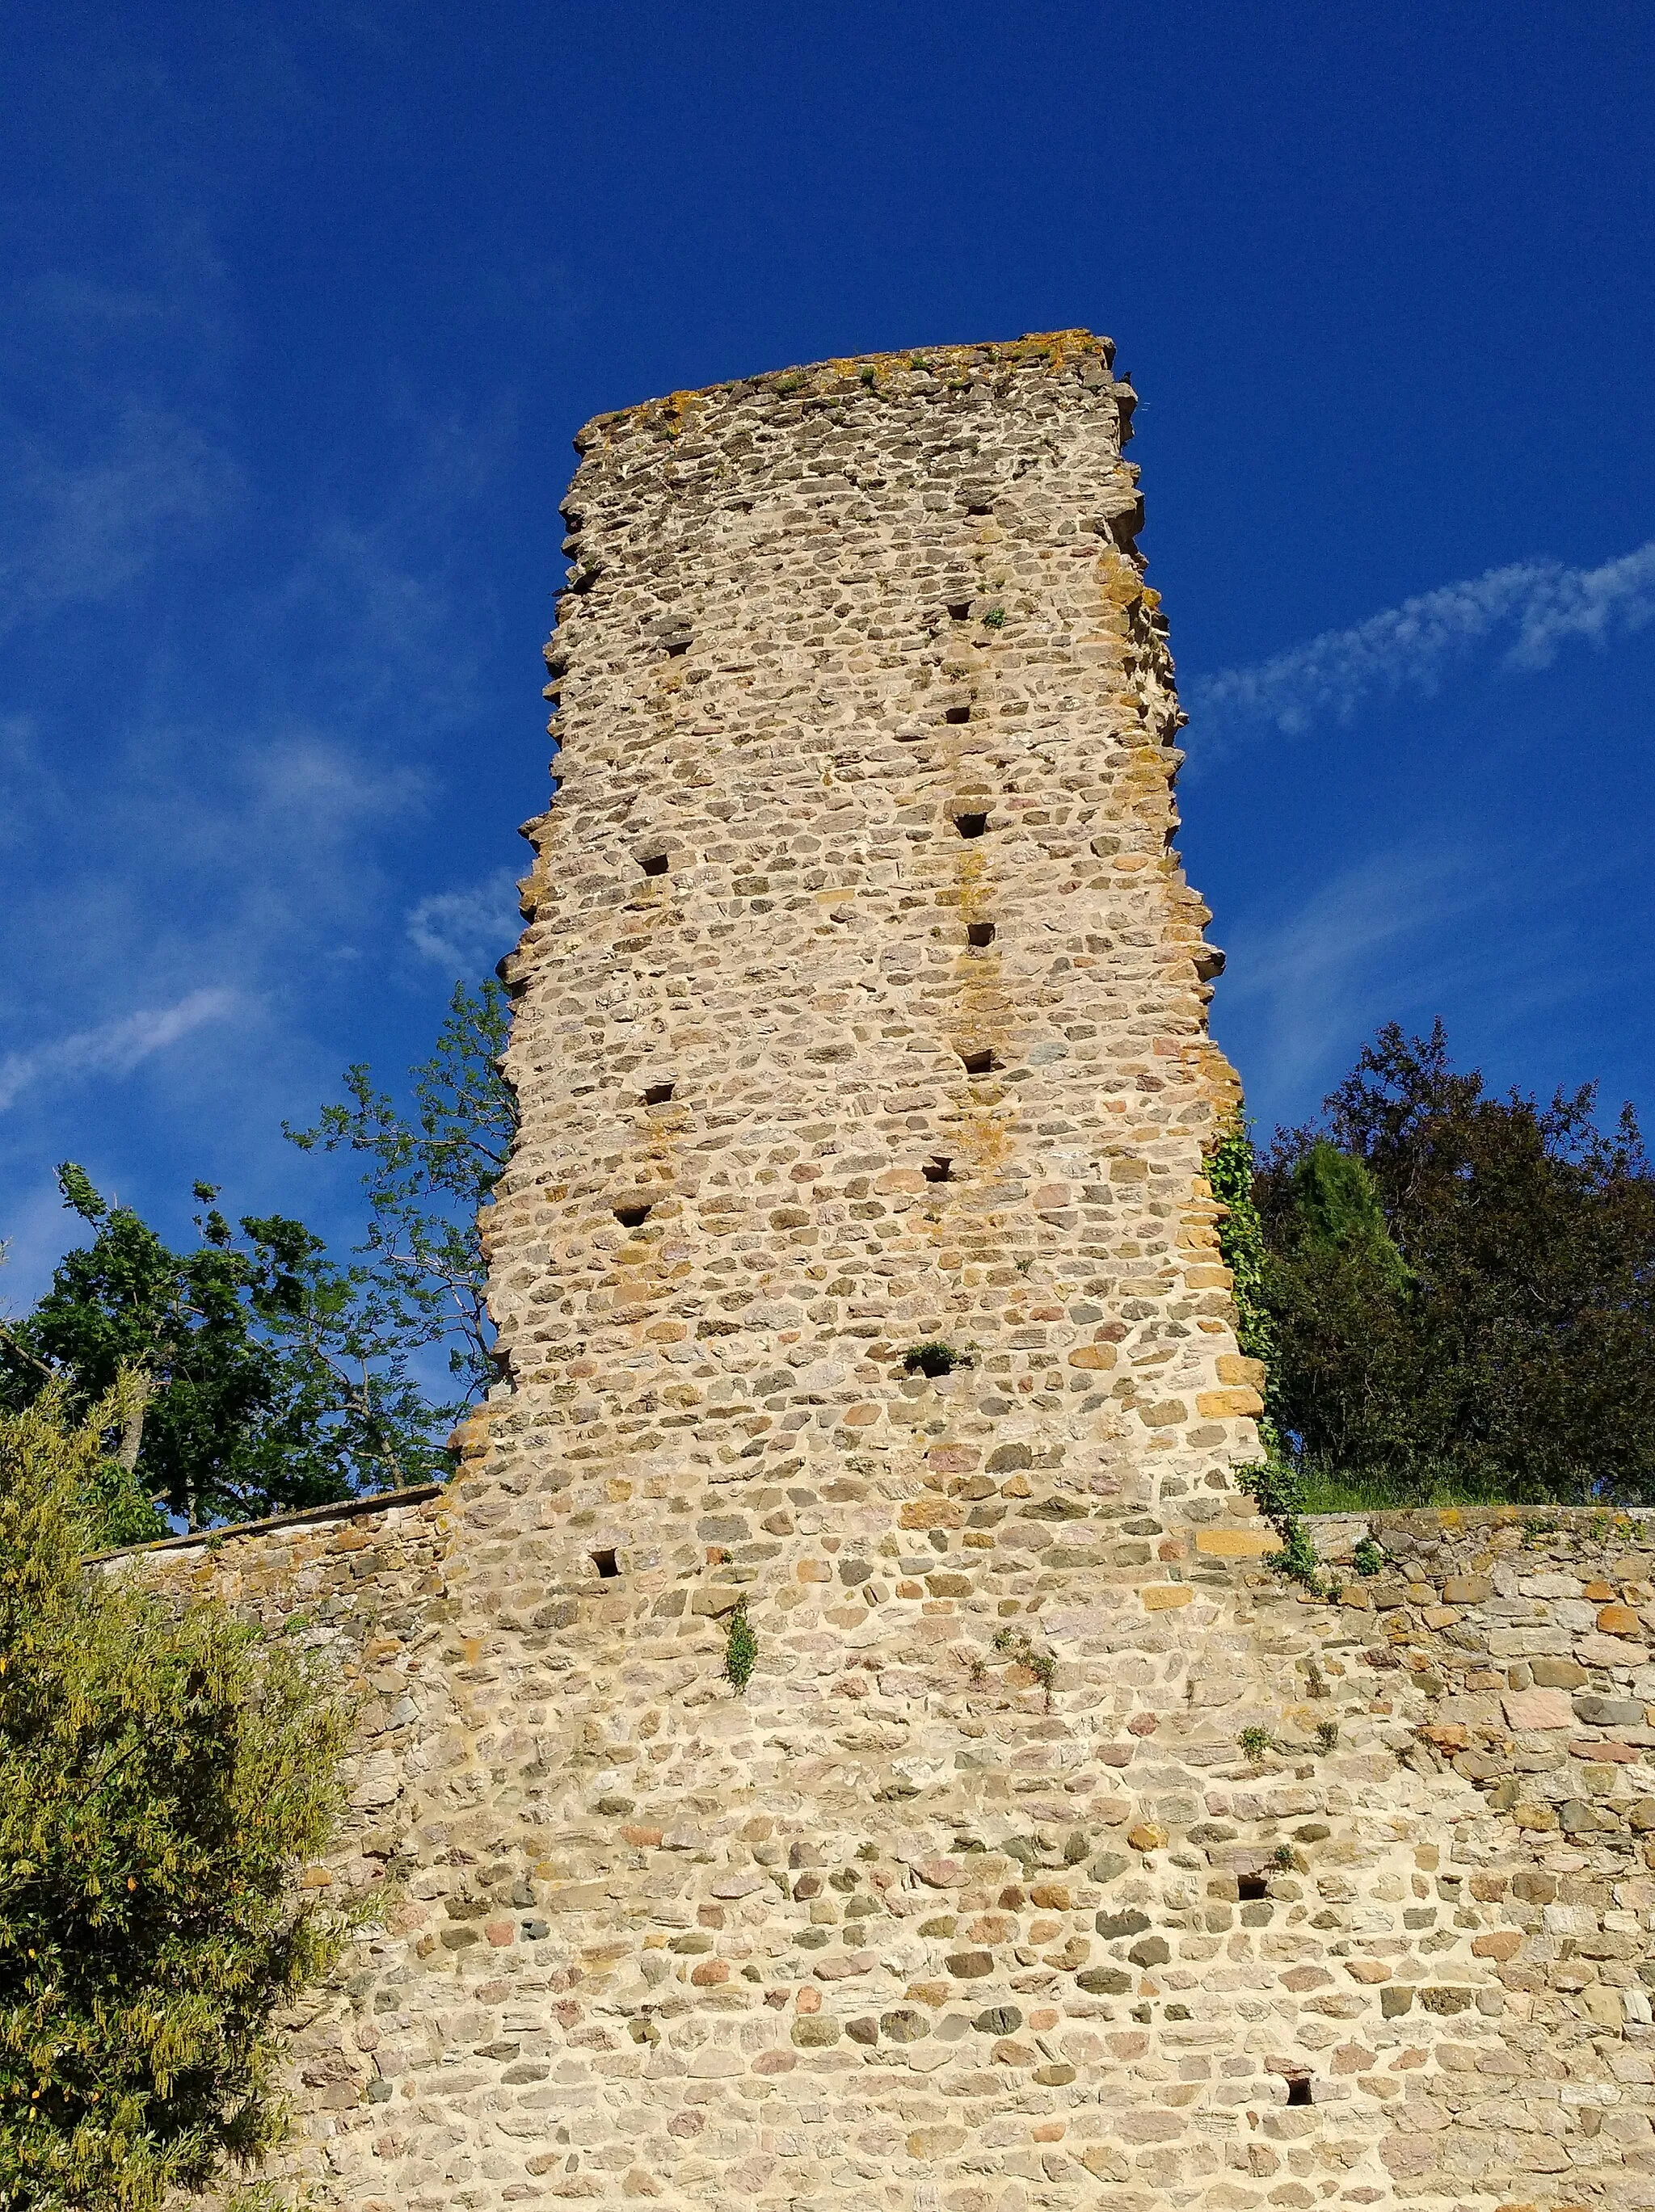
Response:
column 466, row 931
column 78, row 531
column 114, row 1047
column 1308, row 981
column 1540, row 605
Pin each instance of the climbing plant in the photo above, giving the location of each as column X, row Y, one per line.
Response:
column 1273, row 1480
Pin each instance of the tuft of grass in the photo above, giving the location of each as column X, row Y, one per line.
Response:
column 1256, row 1743
column 933, row 1358
column 1378, row 1490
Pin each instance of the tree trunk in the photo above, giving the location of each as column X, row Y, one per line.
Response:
column 132, row 1431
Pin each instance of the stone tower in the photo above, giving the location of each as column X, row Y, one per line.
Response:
column 1055, row 1845
column 862, row 1001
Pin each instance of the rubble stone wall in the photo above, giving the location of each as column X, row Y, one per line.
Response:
column 1058, row 1851
column 1425, row 1889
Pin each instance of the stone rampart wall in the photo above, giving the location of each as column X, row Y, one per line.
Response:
column 754, row 1954
column 363, row 1584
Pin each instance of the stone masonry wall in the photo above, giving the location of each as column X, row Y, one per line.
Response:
column 361, row 1584
column 863, row 1005
column 1429, row 1897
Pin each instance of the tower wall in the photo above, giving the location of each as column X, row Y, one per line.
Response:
column 863, row 662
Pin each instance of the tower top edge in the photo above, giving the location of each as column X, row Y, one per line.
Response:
column 1037, row 352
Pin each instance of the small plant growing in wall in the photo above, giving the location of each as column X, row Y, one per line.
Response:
column 934, row 1358
column 1327, row 1735
column 1256, row 1743
column 995, row 619
column 1368, row 1557
column 1285, row 1859
column 1014, row 1644
column 740, row 1649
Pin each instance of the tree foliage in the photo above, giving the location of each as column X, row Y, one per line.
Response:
column 276, row 1382
column 163, row 1774
column 428, row 1179
column 1461, row 1286
column 280, row 1379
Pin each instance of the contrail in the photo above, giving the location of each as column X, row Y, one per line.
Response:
column 113, row 1048
column 1541, row 604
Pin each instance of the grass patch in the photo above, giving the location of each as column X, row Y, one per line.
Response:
column 1337, row 1490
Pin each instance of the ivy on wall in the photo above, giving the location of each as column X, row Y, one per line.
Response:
column 1275, row 1486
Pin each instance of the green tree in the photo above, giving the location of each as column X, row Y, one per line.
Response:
column 281, row 1380
column 427, row 1178
column 163, row 1776
column 278, row 1381
column 1463, row 1286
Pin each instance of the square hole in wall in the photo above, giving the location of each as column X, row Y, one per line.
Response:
column 957, row 714
column 657, row 1094
column 1252, row 1887
column 979, row 932
column 1299, row 2089
column 654, row 865
column 631, row 1217
column 978, row 1063
column 607, row 1564
column 938, row 1169
column 970, row 825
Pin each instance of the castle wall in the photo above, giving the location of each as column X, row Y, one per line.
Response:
column 1457, row 1958
column 861, row 1005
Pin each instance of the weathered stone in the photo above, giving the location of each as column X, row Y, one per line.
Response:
column 970, row 1966
column 1237, row 1543
column 1538, row 1709
column 1610, row 1712
column 1110, row 1924
column 1558, row 1673
column 1104, row 1981
column 1619, row 1621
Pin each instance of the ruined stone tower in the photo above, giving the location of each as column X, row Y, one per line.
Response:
column 1057, row 1852
column 861, row 1004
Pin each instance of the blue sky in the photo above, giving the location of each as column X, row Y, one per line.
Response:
column 302, row 305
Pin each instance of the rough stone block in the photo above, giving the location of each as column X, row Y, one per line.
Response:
column 1537, row 1709
column 1237, row 1543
